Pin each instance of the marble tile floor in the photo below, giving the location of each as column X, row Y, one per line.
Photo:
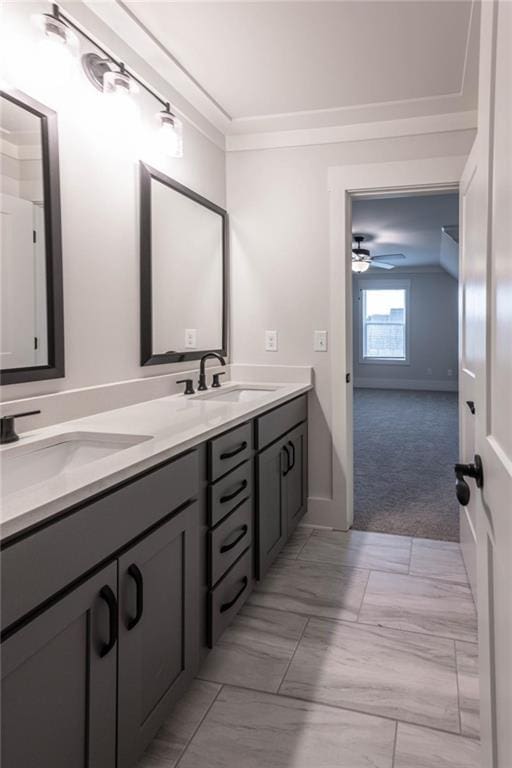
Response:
column 358, row 650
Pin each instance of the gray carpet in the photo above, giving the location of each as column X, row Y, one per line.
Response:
column 405, row 445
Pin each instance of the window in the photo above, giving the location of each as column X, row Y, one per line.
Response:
column 384, row 322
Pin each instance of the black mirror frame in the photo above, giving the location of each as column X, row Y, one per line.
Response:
column 146, row 303
column 54, row 368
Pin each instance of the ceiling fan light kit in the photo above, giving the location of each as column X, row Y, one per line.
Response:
column 361, row 259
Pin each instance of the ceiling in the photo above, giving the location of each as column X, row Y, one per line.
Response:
column 274, row 65
column 408, row 225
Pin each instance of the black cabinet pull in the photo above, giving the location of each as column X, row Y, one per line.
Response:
column 292, row 446
column 227, row 547
column 135, row 572
column 288, row 465
column 230, row 454
column 108, row 596
column 226, row 606
column 235, row 493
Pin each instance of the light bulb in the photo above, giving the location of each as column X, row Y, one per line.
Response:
column 57, row 49
column 360, row 266
column 170, row 134
column 119, row 89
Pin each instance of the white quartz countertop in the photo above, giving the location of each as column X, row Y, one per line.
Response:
column 170, row 426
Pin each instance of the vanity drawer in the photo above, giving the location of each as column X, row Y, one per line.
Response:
column 229, row 539
column 228, row 597
column 229, row 450
column 227, row 493
column 49, row 559
column 272, row 425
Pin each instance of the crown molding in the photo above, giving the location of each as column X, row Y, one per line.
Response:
column 412, row 126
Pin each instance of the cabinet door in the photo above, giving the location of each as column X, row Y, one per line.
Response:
column 296, row 476
column 158, row 632
column 59, row 682
column 271, row 506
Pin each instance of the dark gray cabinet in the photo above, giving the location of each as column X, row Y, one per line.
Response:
column 271, row 505
column 59, row 682
column 281, row 471
column 158, row 632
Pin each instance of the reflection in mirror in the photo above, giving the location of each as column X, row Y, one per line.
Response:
column 29, row 235
column 183, row 251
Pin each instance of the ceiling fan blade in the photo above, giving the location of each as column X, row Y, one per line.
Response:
column 389, row 256
column 382, row 265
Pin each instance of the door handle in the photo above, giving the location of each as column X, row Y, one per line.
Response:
column 108, row 596
column 235, row 451
column 474, row 470
column 292, row 446
column 230, row 496
column 226, row 547
column 136, row 574
column 288, row 466
column 226, row 606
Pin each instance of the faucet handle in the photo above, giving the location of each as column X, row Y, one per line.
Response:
column 216, row 382
column 7, row 431
column 189, row 389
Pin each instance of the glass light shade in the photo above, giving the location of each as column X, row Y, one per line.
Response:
column 119, row 89
column 360, row 266
column 59, row 44
column 170, row 134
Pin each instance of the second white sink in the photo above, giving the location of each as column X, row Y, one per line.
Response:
column 236, row 394
column 26, row 465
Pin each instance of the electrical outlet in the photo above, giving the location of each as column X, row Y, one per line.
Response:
column 450, row 372
column 190, row 338
column 320, row 341
column 271, row 341
column 429, row 371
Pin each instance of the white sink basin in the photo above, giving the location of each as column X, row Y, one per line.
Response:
column 24, row 465
column 237, row 394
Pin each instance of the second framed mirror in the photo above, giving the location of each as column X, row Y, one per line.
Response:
column 184, row 252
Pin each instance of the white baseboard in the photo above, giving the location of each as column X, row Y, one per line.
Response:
column 425, row 384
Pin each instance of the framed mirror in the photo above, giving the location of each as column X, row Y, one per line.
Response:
column 184, row 251
column 31, row 319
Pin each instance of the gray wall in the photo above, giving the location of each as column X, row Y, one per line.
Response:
column 433, row 335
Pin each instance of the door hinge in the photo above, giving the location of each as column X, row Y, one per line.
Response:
column 34, row 236
column 35, row 342
column 471, row 405
column 347, row 378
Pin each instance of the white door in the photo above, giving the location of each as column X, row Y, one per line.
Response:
column 486, row 375
column 17, row 283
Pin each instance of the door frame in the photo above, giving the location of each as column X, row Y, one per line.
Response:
column 345, row 182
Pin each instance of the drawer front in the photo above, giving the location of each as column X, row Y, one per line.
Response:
column 272, row 425
column 228, row 596
column 48, row 560
column 227, row 493
column 229, row 539
column 229, row 450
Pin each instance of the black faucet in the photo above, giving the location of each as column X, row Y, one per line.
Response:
column 7, row 431
column 202, row 375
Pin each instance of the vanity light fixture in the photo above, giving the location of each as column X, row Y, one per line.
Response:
column 112, row 77
column 170, row 133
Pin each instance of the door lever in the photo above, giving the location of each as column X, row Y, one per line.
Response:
column 475, row 471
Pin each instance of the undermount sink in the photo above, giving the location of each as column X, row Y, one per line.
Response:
column 237, row 394
column 36, row 462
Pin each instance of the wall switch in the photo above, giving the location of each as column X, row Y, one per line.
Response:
column 271, row 341
column 320, row 341
column 429, row 371
column 190, row 338
column 450, row 372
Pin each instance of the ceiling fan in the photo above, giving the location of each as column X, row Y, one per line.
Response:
column 361, row 259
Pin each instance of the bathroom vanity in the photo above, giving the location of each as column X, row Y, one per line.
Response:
column 114, row 589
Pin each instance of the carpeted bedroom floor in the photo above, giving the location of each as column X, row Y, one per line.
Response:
column 405, row 445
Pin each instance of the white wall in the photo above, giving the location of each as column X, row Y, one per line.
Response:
column 433, row 334
column 100, row 213
column 278, row 205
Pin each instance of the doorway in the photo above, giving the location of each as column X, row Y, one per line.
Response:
column 405, row 363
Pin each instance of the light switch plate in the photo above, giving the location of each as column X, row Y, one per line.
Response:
column 190, row 338
column 271, row 341
column 320, row 341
